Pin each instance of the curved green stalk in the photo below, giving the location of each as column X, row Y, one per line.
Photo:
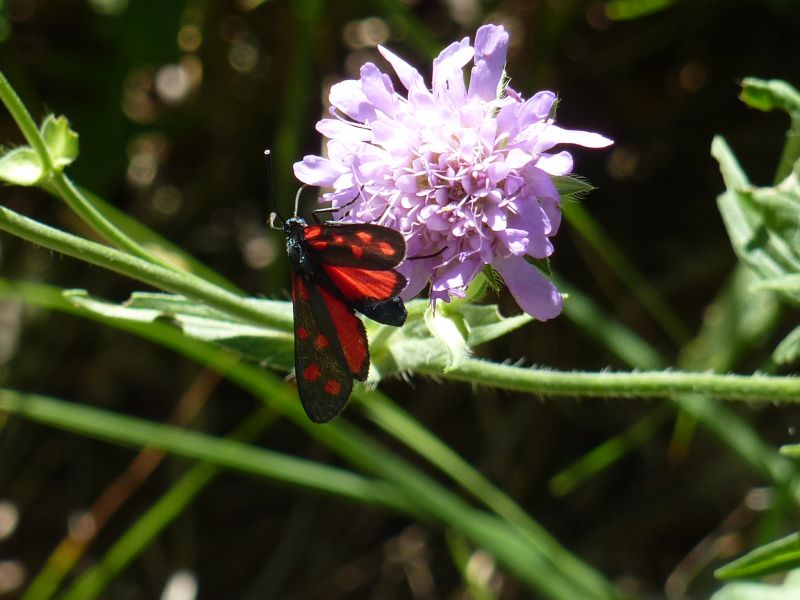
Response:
column 136, row 268
column 651, row 384
column 56, row 180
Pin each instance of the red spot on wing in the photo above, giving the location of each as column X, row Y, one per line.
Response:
column 312, row 231
column 357, row 284
column 338, row 239
column 302, row 333
column 333, row 387
column 321, row 342
column 386, row 249
column 351, row 334
column 299, row 291
column 364, row 236
column 358, row 251
column 311, row 372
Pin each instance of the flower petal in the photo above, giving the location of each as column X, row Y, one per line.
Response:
column 448, row 77
column 315, row 170
column 418, row 273
column 335, row 128
column 515, row 239
column 456, row 275
column 588, row 139
column 532, row 291
column 348, row 97
column 537, row 108
column 408, row 75
column 555, row 164
column 496, row 218
column 377, row 88
column 491, row 45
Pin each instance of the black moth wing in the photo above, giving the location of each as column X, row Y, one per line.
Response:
column 358, row 245
column 390, row 312
column 324, row 380
column 371, row 249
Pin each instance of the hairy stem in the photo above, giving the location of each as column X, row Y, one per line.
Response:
column 652, row 384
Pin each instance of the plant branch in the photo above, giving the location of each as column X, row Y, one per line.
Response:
column 651, row 384
column 56, row 180
column 162, row 278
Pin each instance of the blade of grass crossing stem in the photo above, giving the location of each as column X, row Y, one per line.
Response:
column 402, row 426
column 617, row 338
column 609, row 452
column 658, row 308
column 735, row 321
column 728, row 427
column 430, row 498
column 151, row 240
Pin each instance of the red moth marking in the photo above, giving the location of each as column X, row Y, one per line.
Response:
column 364, row 236
column 357, row 251
column 299, row 290
column 386, row 249
column 338, row 239
column 321, row 342
column 302, row 333
column 333, row 387
column 351, row 335
column 311, row 372
column 359, row 283
column 312, row 231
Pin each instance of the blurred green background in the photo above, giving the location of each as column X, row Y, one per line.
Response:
column 175, row 103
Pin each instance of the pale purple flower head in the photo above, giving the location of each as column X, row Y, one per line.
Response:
column 463, row 171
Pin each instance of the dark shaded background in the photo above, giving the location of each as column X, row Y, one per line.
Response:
column 175, row 103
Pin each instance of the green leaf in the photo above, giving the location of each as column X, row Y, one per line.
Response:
column 61, row 141
column 789, row 349
column 763, row 228
column 273, row 347
column 790, row 590
column 770, row 94
column 458, row 328
column 786, row 284
column 626, row 10
column 775, row 557
column 227, row 453
column 572, row 186
column 492, row 279
column 21, row 166
column 449, row 329
column 485, row 323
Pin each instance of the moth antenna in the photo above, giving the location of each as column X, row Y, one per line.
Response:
column 297, row 198
column 272, row 198
column 273, row 216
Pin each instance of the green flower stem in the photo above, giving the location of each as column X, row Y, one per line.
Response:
column 653, row 384
column 791, row 150
column 120, row 262
column 66, row 190
column 56, row 180
column 25, row 122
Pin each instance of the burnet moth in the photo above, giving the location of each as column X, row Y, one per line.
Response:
column 337, row 269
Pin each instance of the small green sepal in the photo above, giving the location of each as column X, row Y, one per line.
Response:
column 21, row 166
column 61, row 141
